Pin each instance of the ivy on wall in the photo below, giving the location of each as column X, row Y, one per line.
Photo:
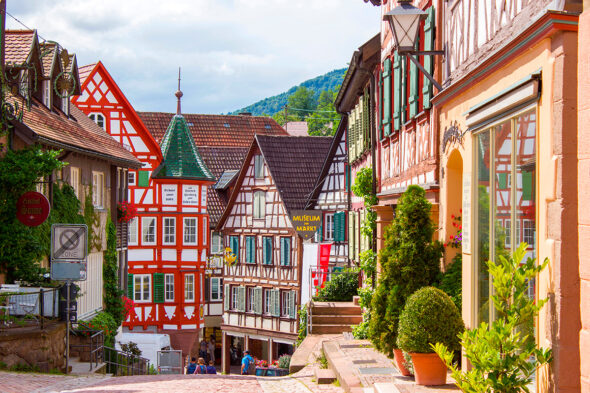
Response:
column 113, row 295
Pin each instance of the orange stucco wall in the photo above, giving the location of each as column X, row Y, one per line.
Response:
column 583, row 194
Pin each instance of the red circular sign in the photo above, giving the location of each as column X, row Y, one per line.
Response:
column 32, row 208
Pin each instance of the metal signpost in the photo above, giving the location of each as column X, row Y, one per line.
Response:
column 68, row 263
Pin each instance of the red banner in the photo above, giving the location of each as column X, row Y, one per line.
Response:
column 323, row 263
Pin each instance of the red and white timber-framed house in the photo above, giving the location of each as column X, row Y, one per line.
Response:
column 262, row 288
column 168, row 240
column 223, row 142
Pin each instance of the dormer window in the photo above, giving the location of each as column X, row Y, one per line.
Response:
column 47, row 93
column 65, row 105
column 226, row 125
column 98, row 118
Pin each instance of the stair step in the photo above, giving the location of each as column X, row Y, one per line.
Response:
column 336, row 319
column 335, row 308
column 330, row 329
column 324, row 376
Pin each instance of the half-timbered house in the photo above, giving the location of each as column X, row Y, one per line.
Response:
column 168, row 241
column 97, row 164
column 330, row 195
column 262, row 288
column 223, row 142
column 356, row 102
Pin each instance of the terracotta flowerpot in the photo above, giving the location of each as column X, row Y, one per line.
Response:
column 398, row 356
column 429, row 369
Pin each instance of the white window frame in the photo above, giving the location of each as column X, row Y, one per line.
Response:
column 98, row 190
column 267, row 300
column 251, row 299
column 132, row 232
column 145, row 295
column 234, row 297
column 96, row 117
column 168, row 287
column 131, row 178
column 329, row 227
column 528, row 232
column 259, row 204
column 185, row 234
column 65, row 105
column 47, row 93
column 205, row 232
column 258, row 166
column 168, row 231
column 189, row 287
column 216, row 296
column 285, row 309
column 145, row 224
column 75, row 180
column 216, row 243
column 507, row 233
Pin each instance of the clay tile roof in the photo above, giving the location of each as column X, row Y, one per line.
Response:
column 78, row 133
column 48, row 53
column 181, row 158
column 18, row 45
column 84, row 71
column 215, row 130
column 220, row 160
column 295, row 163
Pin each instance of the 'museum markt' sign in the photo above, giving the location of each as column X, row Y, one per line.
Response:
column 306, row 222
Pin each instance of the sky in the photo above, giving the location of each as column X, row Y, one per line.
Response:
column 232, row 52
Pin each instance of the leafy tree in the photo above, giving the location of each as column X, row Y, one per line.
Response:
column 21, row 249
column 409, row 260
column 503, row 359
column 279, row 117
column 325, row 120
column 302, row 102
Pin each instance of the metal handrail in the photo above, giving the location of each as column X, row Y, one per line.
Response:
column 95, row 344
column 121, row 363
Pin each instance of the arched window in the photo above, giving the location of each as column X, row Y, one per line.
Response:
column 98, row 118
column 259, row 204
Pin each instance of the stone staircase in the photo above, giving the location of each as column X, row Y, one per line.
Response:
column 334, row 317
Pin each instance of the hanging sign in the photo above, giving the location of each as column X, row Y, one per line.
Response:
column 32, row 208
column 306, row 222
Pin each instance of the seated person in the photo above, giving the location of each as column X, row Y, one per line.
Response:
column 211, row 368
column 201, row 367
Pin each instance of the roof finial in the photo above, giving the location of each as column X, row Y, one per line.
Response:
column 178, row 94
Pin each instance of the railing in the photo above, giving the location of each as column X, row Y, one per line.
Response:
column 94, row 344
column 121, row 363
column 321, row 276
column 23, row 306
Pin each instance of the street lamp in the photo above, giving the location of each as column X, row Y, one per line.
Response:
column 404, row 22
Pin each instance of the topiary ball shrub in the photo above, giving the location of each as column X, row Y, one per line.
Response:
column 429, row 317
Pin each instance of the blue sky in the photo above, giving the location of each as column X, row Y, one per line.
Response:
column 232, row 52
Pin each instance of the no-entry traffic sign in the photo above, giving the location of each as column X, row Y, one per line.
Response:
column 69, row 242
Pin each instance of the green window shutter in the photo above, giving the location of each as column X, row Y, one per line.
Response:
column 351, row 235
column 527, row 186
column 235, row 246
column 258, row 293
column 226, row 296
column 242, row 298
column 502, row 181
column 387, row 96
column 381, row 131
column 268, row 250
column 275, row 303
column 428, row 61
column 321, row 231
column 414, row 87
column 143, row 178
column 250, row 249
column 285, row 251
column 158, row 288
column 130, row 285
column 397, row 92
column 404, row 89
column 339, row 227
column 292, row 304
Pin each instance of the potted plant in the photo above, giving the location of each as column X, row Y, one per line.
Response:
column 429, row 317
column 409, row 260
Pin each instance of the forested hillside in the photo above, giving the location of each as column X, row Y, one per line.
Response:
column 271, row 105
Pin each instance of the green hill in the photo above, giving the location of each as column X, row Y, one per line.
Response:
column 274, row 104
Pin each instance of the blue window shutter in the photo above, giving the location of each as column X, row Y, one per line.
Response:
column 285, row 251
column 428, row 61
column 268, row 250
column 397, row 91
column 235, row 246
column 339, row 227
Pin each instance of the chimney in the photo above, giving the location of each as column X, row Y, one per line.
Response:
column 245, row 113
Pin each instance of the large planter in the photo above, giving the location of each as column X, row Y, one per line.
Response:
column 429, row 369
column 398, row 357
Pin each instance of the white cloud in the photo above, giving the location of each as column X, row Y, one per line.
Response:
column 232, row 52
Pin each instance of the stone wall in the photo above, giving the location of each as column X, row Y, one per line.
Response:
column 34, row 347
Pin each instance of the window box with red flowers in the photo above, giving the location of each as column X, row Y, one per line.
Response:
column 126, row 211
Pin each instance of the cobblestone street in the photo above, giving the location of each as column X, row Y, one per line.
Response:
column 302, row 382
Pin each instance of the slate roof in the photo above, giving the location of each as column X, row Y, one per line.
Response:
column 295, row 163
column 77, row 133
column 215, row 130
column 18, row 45
column 220, row 160
column 181, row 158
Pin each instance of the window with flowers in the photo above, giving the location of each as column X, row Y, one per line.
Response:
column 126, row 211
